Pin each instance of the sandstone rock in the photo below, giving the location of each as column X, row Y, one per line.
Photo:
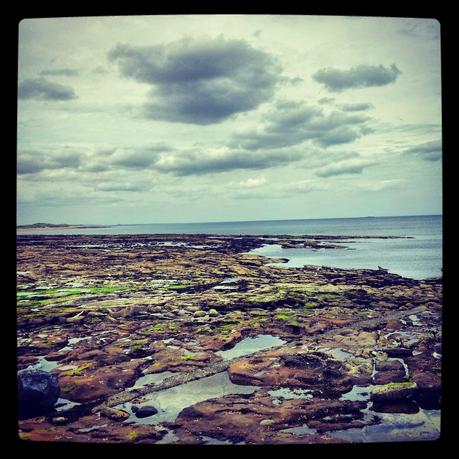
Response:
column 114, row 414
column 394, row 391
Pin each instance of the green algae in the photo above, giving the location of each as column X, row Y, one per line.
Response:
column 154, row 328
column 79, row 370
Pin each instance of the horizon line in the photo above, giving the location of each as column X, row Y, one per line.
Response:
column 235, row 221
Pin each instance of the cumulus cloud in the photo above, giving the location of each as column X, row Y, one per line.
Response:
column 138, row 158
column 30, row 162
column 199, row 81
column 62, row 72
column 206, row 161
column 43, row 89
column 351, row 166
column 362, row 76
column 429, row 151
column 291, row 123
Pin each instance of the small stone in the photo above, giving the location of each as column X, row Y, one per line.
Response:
column 266, row 422
column 199, row 313
column 145, row 411
column 59, row 420
column 114, row 414
column 213, row 312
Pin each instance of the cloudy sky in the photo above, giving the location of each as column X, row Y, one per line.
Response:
column 154, row 119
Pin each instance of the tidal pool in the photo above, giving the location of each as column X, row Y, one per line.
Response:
column 251, row 345
column 424, row 425
column 170, row 402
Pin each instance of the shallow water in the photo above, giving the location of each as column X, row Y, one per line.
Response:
column 291, row 394
column 251, row 345
column 424, row 425
column 413, row 258
column 170, row 402
column 43, row 365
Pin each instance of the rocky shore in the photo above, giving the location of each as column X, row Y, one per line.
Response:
column 191, row 339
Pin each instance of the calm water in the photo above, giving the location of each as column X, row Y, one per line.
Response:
column 418, row 258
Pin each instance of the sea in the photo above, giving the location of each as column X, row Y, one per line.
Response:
column 418, row 255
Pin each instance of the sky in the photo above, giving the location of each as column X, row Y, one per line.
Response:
column 196, row 118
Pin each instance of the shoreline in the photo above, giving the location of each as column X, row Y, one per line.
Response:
column 30, row 229
column 106, row 312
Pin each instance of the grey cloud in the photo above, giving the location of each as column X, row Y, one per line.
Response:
column 362, row 76
column 292, row 123
column 336, row 136
column 138, row 158
column 132, row 187
column 29, row 165
column 201, row 162
column 42, row 89
column 352, row 166
column 356, row 107
column 199, row 81
column 31, row 162
column 64, row 72
column 429, row 151
column 326, row 100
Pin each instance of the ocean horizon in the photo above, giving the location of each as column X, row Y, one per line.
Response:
column 415, row 251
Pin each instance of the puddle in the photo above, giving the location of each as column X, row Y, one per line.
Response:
column 169, row 438
column 358, row 393
column 63, row 404
column 415, row 320
column 251, row 345
column 291, row 394
column 71, row 342
column 227, row 284
column 336, row 353
column 301, row 430
column 153, row 378
column 424, row 425
column 43, row 365
column 170, row 402
column 214, row 441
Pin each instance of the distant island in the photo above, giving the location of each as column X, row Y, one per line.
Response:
column 58, row 226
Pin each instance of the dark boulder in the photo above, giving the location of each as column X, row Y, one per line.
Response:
column 144, row 411
column 38, row 392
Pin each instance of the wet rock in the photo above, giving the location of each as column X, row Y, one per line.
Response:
column 137, row 353
column 144, row 411
column 393, row 324
column 241, row 417
column 38, row 392
column 429, row 385
column 407, row 406
column 305, row 370
column 84, row 383
column 386, row 377
column 389, row 371
column 397, row 351
column 394, row 392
